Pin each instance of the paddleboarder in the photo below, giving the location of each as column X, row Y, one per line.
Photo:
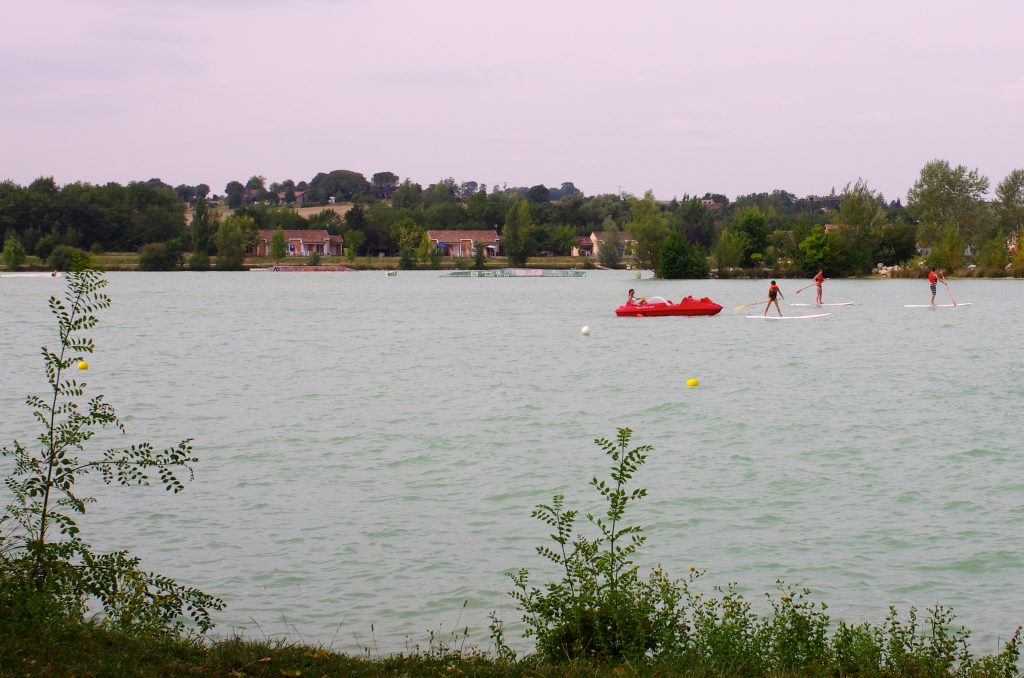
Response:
column 934, row 278
column 818, row 279
column 773, row 293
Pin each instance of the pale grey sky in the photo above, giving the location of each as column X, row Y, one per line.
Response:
column 733, row 96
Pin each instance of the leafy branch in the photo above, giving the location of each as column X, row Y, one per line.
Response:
column 600, row 607
column 62, row 567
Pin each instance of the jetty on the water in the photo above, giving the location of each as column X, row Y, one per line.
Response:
column 519, row 273
column 300, row 269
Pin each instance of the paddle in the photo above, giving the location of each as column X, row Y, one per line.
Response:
column 950, row 290
column 754, row 303
column 804, row 288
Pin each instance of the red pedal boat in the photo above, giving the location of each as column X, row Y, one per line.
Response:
column 656, row 306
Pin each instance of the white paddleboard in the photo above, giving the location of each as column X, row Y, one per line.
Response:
column 788, row 317
column 834, row 303
column 965, row 303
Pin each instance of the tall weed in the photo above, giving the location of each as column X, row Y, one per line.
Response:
column 603, row 610
column 47, row 570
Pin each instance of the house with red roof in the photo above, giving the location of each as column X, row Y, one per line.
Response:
column 302, row 243
column 591, row 246
column 584, row 247
column 464, row 243
column 713, row 205
column 300, row 197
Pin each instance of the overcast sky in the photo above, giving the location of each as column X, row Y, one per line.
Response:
column 727, row 96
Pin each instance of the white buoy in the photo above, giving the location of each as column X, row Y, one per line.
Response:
column 585, row 331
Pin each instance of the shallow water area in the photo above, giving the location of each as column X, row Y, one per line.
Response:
column 371, row 447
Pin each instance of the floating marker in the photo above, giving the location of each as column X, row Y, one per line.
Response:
column 82, row 365
column 585, row 330
column 692, row 383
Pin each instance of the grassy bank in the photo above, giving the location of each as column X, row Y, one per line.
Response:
column 107, row 261
column 129, row 261
column 89, row 649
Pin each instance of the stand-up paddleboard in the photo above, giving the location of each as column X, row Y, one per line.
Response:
column 788, row 317
column 963, row 303
column 834, row 303
column 29, row 275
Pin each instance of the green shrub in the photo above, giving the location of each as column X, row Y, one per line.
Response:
column 230, row 240
column 681, row 259
column 68, row 258
column 160, row 256
column 314, row 258
column 44, row 246
column 948, row 254
column 199, row 261
column 405, row 259
column 14, row 251
column 601, row 608
column 798, row 632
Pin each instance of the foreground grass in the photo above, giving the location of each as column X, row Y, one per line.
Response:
column 87, row 649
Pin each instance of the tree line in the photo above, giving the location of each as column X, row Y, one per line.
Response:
column 947, row 218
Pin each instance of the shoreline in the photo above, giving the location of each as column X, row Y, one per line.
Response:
column 129, row 261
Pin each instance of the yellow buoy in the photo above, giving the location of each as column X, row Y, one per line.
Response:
column 82, row 365
column 691, row 382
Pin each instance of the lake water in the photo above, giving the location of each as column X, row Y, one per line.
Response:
column 371, row 447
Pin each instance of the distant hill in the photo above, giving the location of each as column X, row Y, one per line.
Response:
column 305, row 211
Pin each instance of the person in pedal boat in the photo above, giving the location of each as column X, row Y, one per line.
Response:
column 773, row 293
column 817, row 280
column 631, row 301
column 934, row 278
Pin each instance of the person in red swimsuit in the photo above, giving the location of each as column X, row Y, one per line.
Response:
column 818, row 279
column 773, row 293
column 934, row 278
